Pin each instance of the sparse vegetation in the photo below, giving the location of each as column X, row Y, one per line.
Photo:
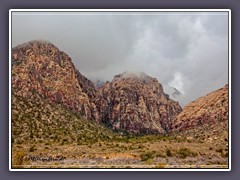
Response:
column 169, row 153
column 147, row 156
column 185, row 152
column 51, row 102
column 57, row 129
column 32, row 148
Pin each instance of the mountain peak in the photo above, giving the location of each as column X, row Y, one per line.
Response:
column 42, row 70
column 131, row 74
column 36, row 43
column 135, row 102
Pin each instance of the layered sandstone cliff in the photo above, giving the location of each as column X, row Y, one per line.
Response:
column 209, row 109
column 40, row 69
column 131, row 102
column 136, row 103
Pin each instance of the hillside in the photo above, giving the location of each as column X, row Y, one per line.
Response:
column 61, row 119
column 39, row 67
column 210, row 109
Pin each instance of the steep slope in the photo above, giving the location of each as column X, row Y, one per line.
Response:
column 87, row 85
column 40, row 69
column 135, row 103
column 35, row 120
column 98, row 83
column 209, row 109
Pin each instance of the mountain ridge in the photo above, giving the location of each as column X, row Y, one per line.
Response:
column 131, row 102
column 41, row 68
column 209, row 109
column 136, row 103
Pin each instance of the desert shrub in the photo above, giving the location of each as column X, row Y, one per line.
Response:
column 149, row 161
column 222, row 152
column 160, row 154
column 118, row 150
column 131, row 148
column 225, row 154
column 219, row 150
column 147, row 155
column 65, row 140
column 185, row 152
column 169, row 153
column 32, row 148
column 19, row 142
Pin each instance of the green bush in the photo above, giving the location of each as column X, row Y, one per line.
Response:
column 147, row 155
column 169, row 153
column 160, row 154
column 185, row 152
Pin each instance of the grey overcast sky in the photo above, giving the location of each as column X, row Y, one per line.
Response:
column 185, row 50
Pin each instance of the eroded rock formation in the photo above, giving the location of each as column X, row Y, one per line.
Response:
column 136, row 103
column 209, row 109
column 40, row 69
column 133, row 103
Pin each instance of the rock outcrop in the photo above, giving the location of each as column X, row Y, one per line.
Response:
column 132, row 103
column 40, row 69
column 210, row 109
column 86, row 85
column 136, row 103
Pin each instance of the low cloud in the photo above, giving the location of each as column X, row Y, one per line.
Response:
column 188, row 51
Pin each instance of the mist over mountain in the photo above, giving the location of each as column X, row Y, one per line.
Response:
column 136, row 102
column 184, row 50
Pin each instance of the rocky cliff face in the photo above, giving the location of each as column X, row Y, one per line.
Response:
column 131, row 103
column 209, row 109
column 41, row 69
column 136, row 104
column 87, row 85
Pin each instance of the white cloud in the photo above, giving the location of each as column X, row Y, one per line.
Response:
column 177, row 82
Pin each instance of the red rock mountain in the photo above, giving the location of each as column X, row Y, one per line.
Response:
column 40, row 69
column 136, row 103
column 133, row 103
column 209, row 109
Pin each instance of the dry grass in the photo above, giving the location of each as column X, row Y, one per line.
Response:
column 82, row 143
column 154, row 154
